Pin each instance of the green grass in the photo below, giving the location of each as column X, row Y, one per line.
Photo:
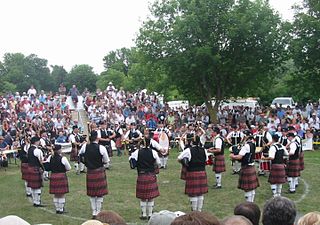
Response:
column 121, row 197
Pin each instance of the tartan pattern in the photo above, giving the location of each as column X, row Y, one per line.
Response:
column 183, row 173
column 58, row 183
column 293, row 168
column 34, row 177
column 97, row 185
column 301, row 159
column 147, row 187
column 265, row 165
column 277, row 174
column 24, row 171
column 257, row 156
column 196, row 183
column 219, row 164
column 248, row 179
column 74, row 155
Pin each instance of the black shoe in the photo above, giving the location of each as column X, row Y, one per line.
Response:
column 83, row 171
column 143, row 218
column 29, row 195
column 235, row 172
column 57, row 212
column 38, row 205
column 218, row 187
column 94, row 217
column 261, row 174
column 291, row 192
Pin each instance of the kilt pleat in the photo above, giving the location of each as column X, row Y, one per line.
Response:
column 97, row 185
column 58, row 183
column 183, row 173
column 293, row 168
column 196, row 183
column 24, row 171
column 34, row 177
column 219, row 164
column 277, row 174
column 147, row 187
column 301, row 159
column 248, row 179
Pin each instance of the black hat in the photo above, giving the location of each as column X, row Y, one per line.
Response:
column 216, row 129
column 247, row 132
column 290, row 135
column 284, row 129
column 57, row 147
column 74, row 127
column 34, row 139
column 275, row 137
column 291, row 128
column 133, row 124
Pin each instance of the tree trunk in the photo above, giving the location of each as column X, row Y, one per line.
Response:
column 213, row 111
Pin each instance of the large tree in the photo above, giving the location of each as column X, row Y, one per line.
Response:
column 83, row 77
column 305, row 48
column 213, row 48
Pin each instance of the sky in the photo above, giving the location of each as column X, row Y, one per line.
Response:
column 73, row 32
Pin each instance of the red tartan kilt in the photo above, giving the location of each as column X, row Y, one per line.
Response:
column 147, row 187
column 265, row 165
column 209, row 162
column 74, row 155
column 97, row 185
column 183, row 173
column 58, row 183
column 257, row 156
column 118, row 143
column 293, row 168
column 301, row 159
column 196, row 183
column 248, row 179
column 24, row 171
column 277, row 174
column 219, row 164
column 34, row 177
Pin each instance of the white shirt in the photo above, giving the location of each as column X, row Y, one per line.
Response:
column 292, row 148
column 64, row 161
column 187, row 154
column 103, row 152
column 155, row 155
column 38, row 153
column 273, row 150
column 217, row 142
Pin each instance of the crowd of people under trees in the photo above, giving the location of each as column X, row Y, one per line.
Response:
column 263, row 138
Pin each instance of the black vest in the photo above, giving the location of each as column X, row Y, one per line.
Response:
column 56, row 164
column 92, row 156
column 278, row 158
column 235, row 138
column 296, row 153
column 32, row 160
column 283, row 141
column 145, row 161
column 261, row 139
column 78, row 139
column 105, row 134
column 248, row 157
column 198, row 159
column 222, row 148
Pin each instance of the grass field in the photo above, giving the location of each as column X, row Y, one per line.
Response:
column 121, row 198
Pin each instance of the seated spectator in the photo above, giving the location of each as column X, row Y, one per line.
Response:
column 279, row 211
column 13, row 220
column 236, row 220
column 164, row 217
column 196, row 218
column 61, row 138
column 3, row 144
column 110, row 217
column 249, row 210
column 312, row 218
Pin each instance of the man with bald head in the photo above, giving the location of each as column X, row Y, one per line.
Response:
column 236, row 220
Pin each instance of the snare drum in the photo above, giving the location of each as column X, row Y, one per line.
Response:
column 265, row 165
column 258, row 149
column 209, row 162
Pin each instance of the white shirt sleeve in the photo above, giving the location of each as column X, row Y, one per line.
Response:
column 38, row 153
column 156, row 157
column 134, row 155
column 244, row 150
column 127, row 134
column 218, row 143
column 104, row 153
column 185, row 154
column 272, row 152
column 72, row 138
column 99, row 133
column 83, row 149
column 66, row 163
column 293, row 148
column 155, row 144
column 269, row 137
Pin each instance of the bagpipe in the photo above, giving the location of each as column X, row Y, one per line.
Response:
column 3, row 160
column 235, row 149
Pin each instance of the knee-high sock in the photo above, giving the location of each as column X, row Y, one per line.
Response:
column 150, row 205
column 36, row 196
column 162, row 161
column 45, row 174
column 200, row 203
column 61, row 204
column 248, row 196
column 296, row 181
column 28, row 189
column 165, row 161
column 56, row 203
column 143, row 206
column 274, row 189
column 279, row 188
column 81, row 166
column 253, row 194
column 292, row 185
column 194, row 203
column 76, row 166
column 218, row 179
column 236, row 166
column 99, row 201
column 93, row 205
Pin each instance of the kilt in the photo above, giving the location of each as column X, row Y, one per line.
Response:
column 219, row 164
column 301, row 159
column 147, row 187
column 196, row 183
column 97, row 185
column 257, row 156
column 248, row 179
column 58, row 183
column 183, row 173
column 74, row 155
column 34, row 177
column 277, row 174
column 24, row 171
column 119, row 143
column 293, row 168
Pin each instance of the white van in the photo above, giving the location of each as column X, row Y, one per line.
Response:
column 284, row 102
column 177, row 104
